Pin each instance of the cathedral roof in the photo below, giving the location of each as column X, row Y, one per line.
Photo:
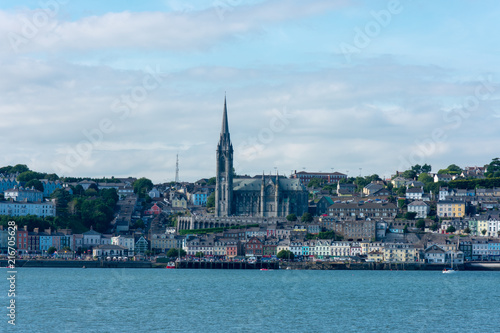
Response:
column 254, row 184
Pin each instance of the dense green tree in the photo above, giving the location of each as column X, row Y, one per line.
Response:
column 35, row 183
column 29, row 175
column 316, row 183
column 174, row 253
column 409, row 174
column 425, row 178
column 451, row 229
column 211, row 200
column 401, row 191
column 452, row 169
column 410, row 215
column 467, row 230
column 420, row 224
column 327, row 235
column 434, row 227
column 62, row 199
column 401, row 203
column 90, row 192
column 285, row 255
column 142, row 186
column 307, row 217
column 291, row 217
column 139, row 224
column 493, row 168
column 51, row 250
column 19, row 168
column 199, row 255
column 426, row 168
column 212, row 181
column 484, row 231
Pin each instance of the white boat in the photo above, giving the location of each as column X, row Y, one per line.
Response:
column 449, row 270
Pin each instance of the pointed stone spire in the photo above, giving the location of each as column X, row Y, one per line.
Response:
column 224, row 133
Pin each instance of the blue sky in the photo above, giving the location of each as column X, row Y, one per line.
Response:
column 317, row 85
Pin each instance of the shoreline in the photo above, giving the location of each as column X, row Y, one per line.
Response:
column 470, row 266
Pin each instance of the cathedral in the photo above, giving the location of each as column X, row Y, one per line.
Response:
column 261, row 196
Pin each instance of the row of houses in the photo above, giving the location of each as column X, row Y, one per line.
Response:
column 36, row 242
column 212, row 246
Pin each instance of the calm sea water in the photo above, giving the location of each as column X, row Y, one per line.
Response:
column 160, row 300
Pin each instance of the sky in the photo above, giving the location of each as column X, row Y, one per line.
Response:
column 114, row 88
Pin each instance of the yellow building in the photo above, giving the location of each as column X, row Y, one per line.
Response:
column 396, row 252
column 450, row 209
column 375, row 256
column 482, row 225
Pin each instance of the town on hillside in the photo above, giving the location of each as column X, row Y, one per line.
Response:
column 415, row 216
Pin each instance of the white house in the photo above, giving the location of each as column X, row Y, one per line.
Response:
column 419, row 207
column 443, row 178
column 125, row 241
column 91, row 238
column 414, row 193
column 340, row 249
column 109, row 251
column 435, row 255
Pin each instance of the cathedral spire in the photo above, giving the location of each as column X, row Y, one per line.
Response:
column 224, row 133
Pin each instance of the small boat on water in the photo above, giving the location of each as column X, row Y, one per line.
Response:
column 171, row 265
column 264, row 269
column 449, row 270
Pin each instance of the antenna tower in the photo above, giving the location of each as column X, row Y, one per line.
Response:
column 177, row 169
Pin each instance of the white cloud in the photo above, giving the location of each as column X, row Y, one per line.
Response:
column 43, row 30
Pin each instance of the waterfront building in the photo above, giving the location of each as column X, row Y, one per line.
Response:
column 435, row 254
column 399, row 252
column 284, row 244
column 494, row 250
column 254, row 247
column 162, row 242
column 4, row 241
column 322, row 247
column 480, row 250
column 198, row 244
column 340, row 249
column 376, row 256
column 22, row 240
column 296, row 247
column 355, row 249
column 127, row 242
column 141, row 245
column 270, row 247
column 113, row 251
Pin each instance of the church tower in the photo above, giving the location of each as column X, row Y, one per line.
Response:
column 224, row 170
